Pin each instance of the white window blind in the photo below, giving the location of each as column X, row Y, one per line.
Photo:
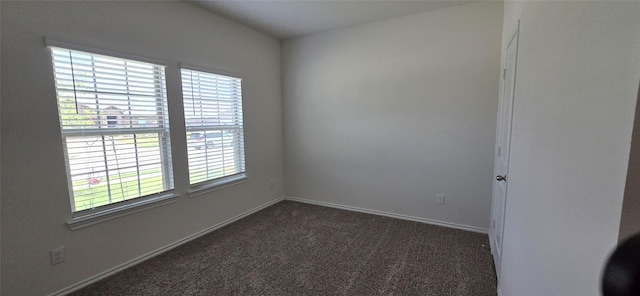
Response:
column 115, row 129
column 213, row 120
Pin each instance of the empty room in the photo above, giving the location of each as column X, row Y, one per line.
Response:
column 316, row 147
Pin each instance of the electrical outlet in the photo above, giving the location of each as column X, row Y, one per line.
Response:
column 440, row 199
column 57, row 255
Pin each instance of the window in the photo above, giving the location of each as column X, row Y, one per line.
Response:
column 111, row 120
column 213, row 120
column 115, row 129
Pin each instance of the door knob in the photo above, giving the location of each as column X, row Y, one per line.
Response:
column 501, row 178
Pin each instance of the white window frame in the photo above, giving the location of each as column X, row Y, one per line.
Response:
column 201, row 187
column 83, row 218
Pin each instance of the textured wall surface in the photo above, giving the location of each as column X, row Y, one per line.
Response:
column 386, row 116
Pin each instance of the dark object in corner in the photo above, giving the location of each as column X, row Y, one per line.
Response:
column 622, row 271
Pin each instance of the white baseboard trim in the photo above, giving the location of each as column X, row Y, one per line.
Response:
column 159, row 251
column 392, row 215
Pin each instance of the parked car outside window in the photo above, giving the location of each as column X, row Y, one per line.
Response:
column 206, row 139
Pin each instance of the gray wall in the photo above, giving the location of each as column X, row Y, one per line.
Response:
column 575, row 96
column 387, row 115
column 35, row 201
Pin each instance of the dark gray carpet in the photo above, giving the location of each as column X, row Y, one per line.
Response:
column 294, row 248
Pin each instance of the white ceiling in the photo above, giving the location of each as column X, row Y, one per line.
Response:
column 285, row 19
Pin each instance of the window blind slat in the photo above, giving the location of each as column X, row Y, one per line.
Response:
column 213, row 118
column 113, row 118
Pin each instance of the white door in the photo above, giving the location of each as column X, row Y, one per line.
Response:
column 503, row 142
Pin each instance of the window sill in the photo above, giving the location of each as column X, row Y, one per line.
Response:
column 108, row 214
column 200, row 189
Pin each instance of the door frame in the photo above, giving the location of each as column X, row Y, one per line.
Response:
column 497, row 254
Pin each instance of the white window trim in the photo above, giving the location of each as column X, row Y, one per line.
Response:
column 55, row 42
column 85, row 218
column 217, row 71
column 227, row 181
column 120, row 210
column 217, row 184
